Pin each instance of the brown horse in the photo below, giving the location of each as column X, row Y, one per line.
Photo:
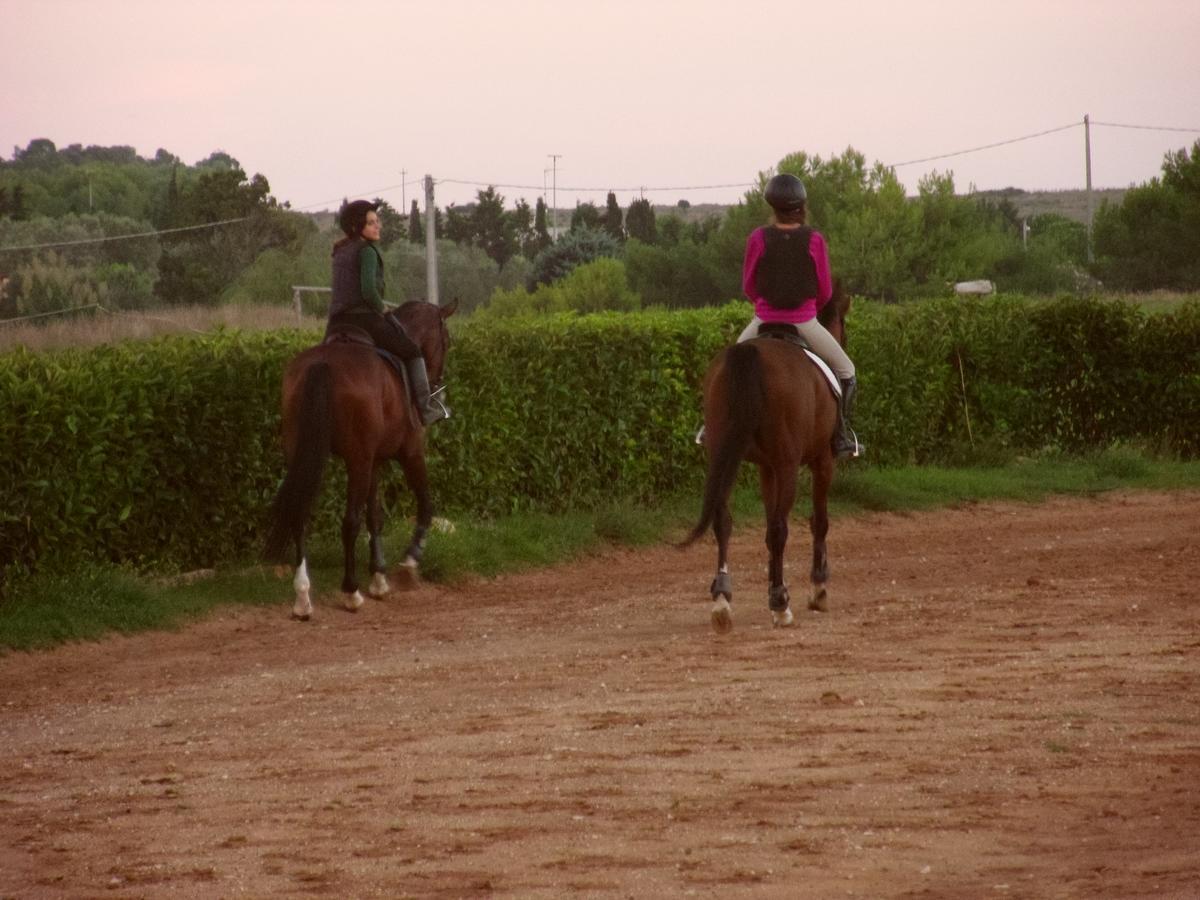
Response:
column 766, row 401
column 342, row 398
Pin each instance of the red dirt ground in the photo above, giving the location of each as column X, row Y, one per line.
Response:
column 1002, row 702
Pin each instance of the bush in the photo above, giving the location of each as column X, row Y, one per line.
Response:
column 573, row 249
column 592, row 287
column 166, row 452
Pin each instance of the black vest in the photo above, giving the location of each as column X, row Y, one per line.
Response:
column 786, row 275
column 347, row 277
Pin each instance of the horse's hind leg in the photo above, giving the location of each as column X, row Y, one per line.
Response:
column 722, row 586
column 379, row 583
column 779, row 493
column 822, row 477
column 358, row 488
column 302, row 608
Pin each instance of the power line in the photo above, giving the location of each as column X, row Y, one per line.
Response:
column 1015, row 140
column 593, row 190
column 123, row 237
column 1148, row 127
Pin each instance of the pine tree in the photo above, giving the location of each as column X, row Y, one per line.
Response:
column 416, row 233
column 640, row 223
column 612, row 218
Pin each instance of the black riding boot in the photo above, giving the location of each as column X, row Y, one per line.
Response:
column 431, row 410
column 845, row 442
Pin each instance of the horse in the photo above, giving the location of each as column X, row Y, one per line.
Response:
column 342, row 398
column 767, row 402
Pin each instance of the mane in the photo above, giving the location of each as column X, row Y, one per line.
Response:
column 837, row 307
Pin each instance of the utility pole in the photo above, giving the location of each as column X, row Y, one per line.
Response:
column 555, row 157
column 1087, row 144
column 403, row 201
column 431, row 272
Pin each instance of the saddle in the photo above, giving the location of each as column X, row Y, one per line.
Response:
column 789, row 333
column 352, row 334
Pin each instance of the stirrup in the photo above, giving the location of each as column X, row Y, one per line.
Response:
column 851, row 449
column 436, row 405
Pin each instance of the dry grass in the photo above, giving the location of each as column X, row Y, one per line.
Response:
column 87, row 329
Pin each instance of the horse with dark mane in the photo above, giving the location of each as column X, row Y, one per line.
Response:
column 342, row 398
column 767, row 401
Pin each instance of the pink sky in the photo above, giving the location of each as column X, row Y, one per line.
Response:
column 330, row 100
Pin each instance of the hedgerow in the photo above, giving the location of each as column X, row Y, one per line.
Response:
column 165, row 453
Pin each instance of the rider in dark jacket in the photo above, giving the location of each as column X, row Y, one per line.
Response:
column 358, row 286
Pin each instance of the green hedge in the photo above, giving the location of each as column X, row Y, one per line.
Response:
column 166, row 452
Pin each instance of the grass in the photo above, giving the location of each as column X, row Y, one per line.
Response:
column 86, row 602
column 89, row 328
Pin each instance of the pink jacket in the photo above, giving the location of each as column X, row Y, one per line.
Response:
column 755, row 244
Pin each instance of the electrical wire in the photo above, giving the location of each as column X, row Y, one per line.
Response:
column 1015, row 140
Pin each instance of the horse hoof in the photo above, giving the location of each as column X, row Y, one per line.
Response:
column 782, row 619
column 408, row 577
column 300, row 617
column 722, row 620
column 379, row 586
column 352, row 602
column 819, row 601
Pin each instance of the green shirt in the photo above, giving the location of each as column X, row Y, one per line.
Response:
column 370, row 270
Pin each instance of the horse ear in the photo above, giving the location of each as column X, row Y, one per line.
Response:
column 449, row 309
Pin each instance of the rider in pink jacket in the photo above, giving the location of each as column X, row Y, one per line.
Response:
column 786, row 275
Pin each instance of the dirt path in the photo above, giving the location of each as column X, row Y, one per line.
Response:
column 1004, row 701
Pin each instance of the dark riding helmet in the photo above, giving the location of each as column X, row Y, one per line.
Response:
column 785, row 193
column 353, row 217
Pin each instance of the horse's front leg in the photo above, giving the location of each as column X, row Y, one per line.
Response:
column 379, row 583
column 779, row 493
column 359, row 475
column 822, row 477
column 417, row 478
column 722, row 586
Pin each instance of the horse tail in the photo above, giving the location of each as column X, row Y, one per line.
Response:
column 746, row 400
column 294, row 501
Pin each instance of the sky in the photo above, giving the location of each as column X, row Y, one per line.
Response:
column 657, row 98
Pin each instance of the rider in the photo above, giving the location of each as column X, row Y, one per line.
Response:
column 358, row 300
column 786, row 275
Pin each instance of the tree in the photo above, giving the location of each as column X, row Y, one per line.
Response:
column 541, row 234
column 585, row 216
column 612, row 218
column 392, row 221
column 460, row 225
column 640, row 222
column 573, row 249
column 1152, row 238
column 197, row 266
column 416, row 233
column 494, row 229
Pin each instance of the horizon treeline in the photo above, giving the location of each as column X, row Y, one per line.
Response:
column 56, row 203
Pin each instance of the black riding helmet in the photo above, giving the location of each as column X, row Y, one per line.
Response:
column 353, row 217
column 785, row 193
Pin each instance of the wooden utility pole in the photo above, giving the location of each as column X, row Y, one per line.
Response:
column 1087, row 146
column 555, row 156
column 431, row 270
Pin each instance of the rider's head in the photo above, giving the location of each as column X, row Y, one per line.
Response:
column 353, row 217
column 785, row 194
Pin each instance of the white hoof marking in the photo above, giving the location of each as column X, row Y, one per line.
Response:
column 722, row 620
column 302, row 608
column 782, row 619
column 379, row 586
column 353, row 602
